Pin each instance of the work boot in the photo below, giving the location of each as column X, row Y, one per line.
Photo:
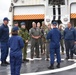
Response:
column 26, row 60
column 31, row 57
column 34, row 53
column 3, row 64
column 62, row 53
column 7, row 63
column 58, row 65
column 71, row 57
column 51, row 67
column 47, row 59
column 67, row 58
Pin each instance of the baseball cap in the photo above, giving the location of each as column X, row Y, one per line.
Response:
column 6, row 19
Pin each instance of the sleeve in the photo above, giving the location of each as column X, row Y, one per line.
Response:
column 75, row 34
column 64, row 34
column 20, row 34
column 49, row 35
column 30, row 32
column 60, row 36
column 21, row 43
column 9, row 42
column 28, row 36
column 0, row 32
column 46, row 33
column 40, row 32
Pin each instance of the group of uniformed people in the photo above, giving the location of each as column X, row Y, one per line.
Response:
column 45, row 40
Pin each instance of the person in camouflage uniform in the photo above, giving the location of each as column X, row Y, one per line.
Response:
column 62, row 40
column 48, row 43
column 23, row 32
column 43, row 31
column 40, row 40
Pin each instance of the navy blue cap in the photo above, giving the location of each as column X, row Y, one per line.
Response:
column 23, row 23
column 54, row 23
column 15, row 28
column 6, row 19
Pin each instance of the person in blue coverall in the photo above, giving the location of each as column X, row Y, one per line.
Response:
column 70, row 40
column 16, row 44
column 55, row 37
column 4, row 37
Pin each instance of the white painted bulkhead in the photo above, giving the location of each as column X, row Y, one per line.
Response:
column 42, row 7
column 64, row 13
column 27, row 7
column 27, row 10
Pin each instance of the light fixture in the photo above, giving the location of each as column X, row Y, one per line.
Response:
column 22, row 1
column 10, row 9
column 47, row 20
column 65, row 19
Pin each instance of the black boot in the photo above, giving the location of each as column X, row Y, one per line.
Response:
column 7, row 63
column 26, row 60
column 3, row 64
column 71, row 57
column 67, row 58
column 58, row 65
column 51, row 67
column 47, row 59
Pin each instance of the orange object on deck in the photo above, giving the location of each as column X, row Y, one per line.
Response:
column 73, row 15
column 29, row 17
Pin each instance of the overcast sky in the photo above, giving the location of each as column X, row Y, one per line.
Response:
column 4, row 8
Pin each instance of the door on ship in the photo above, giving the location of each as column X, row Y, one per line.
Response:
column 73, row 14
column 29, row 22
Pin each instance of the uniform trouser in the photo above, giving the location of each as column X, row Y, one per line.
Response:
column 15, row 64
column 4, row 51
column 47, row 49
column 0, row 45
column 35, row 44
column 69, row 44
column 41, row 45
column 62, row 45
column 25, row 51
column 52, row 55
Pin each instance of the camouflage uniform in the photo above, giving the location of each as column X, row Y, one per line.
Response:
column 62, row 41
column 43, row 30
column 25, row 35
column 47, row 45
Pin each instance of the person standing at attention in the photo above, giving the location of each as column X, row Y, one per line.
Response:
column 70, row 40
column 55, row 36
column 23, row 32
column 62, row 39
column 4, row 37
column 16, row 45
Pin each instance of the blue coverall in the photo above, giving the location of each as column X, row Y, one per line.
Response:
column 16, row 44
column 4, row 37
column 55, row 37
column 70, row 38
